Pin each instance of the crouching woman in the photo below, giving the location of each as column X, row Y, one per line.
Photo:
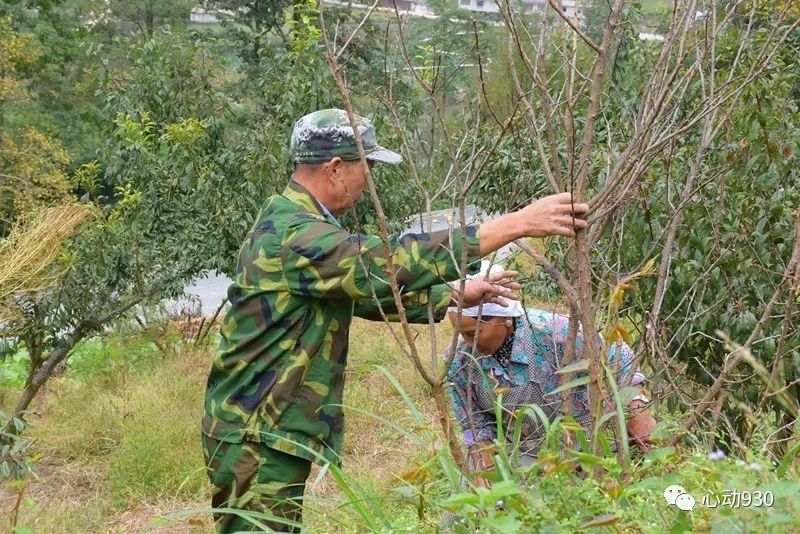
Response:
column 518, row 351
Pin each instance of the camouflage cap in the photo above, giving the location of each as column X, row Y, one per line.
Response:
column 325, row 134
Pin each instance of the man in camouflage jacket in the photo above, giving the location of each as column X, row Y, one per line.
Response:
column 274, row 393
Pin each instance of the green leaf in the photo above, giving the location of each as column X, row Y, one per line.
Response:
column 407, row 492
column 505, row 488
column 783, row 467
column 463, row 499
column 649, row 483
column 682, row 524
column 589, row 459
column 504, row 523
column 581, row 381
column 661, row 453
column 410, row 403
column 627, row 394
column 580, row 365
column 623, row 429
column 353, row 498
column 600, row 521
column 19, row 424
column 782, row 488
column 779, row 519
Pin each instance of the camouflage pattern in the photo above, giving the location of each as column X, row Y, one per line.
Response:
column 255, row 478
column 278, row 375
column 325, row 134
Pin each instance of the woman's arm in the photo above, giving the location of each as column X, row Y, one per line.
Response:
column 481, row 459
column 479, row 428
column 641, row 423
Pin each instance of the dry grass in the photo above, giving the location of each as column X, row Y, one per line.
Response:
column 31, row 249
column 374, row 454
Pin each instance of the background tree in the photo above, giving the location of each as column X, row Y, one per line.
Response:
column 166, row 220
column 144, row 16
column 261, row 19
column 32, row 165
column 595, row 18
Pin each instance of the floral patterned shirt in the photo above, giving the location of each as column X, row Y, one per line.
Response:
column 529, row 377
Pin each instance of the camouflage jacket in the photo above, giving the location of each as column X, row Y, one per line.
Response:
column 278, row 375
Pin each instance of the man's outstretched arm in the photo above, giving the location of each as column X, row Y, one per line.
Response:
column 553, row 215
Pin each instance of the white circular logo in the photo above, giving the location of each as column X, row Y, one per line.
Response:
column 672, row 492
column 685, row 502
column 675, row 495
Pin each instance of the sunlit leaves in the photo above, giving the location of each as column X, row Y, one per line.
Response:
column 33, row 167
column 17, row 52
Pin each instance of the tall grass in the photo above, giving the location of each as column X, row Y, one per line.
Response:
column 553, row 494
column 120, row 452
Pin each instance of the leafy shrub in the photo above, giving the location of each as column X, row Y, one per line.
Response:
column 14, row 369
column 112, row 355
column 15, row 450
column 550, row 495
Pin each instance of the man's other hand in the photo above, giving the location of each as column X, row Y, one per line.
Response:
column 495, row 289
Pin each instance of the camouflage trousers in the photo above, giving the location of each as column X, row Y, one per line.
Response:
column 252, row 477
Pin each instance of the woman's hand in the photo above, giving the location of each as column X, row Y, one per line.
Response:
column 641, row 424
column 481, row 456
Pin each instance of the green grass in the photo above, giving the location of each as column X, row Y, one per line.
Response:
column 158, row 453
column 123, row 426
column 120, row 449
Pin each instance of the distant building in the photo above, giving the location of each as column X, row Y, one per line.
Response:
column 402, row 5
column 490, row 6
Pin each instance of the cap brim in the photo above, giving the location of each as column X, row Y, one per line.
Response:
column 385, row 155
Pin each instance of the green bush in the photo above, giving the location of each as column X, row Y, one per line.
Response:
column 112, row 355
column 14, row 369
column 552, row 495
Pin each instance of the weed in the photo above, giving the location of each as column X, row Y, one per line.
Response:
column 112, row 356
column 13, row 369
column 121, row 449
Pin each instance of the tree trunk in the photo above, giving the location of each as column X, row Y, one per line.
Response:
column 149, row 20
column 37, row 380
column 449, row 431
column 593, row 347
